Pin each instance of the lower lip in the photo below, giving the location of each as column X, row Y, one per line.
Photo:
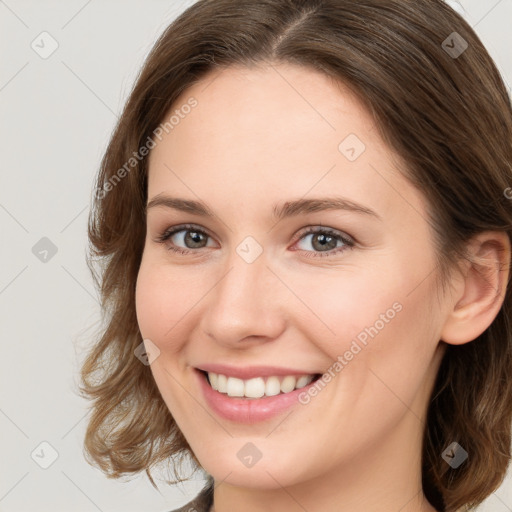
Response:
column 248, row 410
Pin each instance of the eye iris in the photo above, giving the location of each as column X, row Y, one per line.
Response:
column 324, row 240
column 321, row 241
column 194, row 237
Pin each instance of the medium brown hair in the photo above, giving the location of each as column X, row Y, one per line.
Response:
column 448, row 117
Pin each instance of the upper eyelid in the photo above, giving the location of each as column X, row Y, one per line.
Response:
column 301, row 232
column 187, row 227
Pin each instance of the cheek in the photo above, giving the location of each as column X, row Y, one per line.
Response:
column 161, row 316
column 346, row 306
column 382, row 330
column 167, row 300
column 147, row 302
column 391, row 347
column 158, row 306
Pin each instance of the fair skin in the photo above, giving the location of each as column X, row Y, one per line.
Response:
column 254, row 141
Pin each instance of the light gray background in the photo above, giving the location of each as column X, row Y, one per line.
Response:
column 56, row 117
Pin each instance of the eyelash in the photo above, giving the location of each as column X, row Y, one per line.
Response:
column 349, row 243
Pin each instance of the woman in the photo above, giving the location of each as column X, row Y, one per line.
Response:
column 304, row 219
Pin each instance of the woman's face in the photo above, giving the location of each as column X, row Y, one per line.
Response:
column 258, row 296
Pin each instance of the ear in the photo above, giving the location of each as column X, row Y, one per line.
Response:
column 480, row 291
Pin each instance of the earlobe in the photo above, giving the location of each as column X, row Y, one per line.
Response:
column 480, row 294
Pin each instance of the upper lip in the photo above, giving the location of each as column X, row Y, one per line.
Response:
column 250, row 372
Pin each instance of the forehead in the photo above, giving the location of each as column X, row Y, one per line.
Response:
column 275, row 132
column 282, row 104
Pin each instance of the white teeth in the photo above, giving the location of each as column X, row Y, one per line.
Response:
column 254, row 388
column 235, row 387
column 222, row 383
column 302, row 381
column 272, row 387
column 258, row 386
column 213, row 380
column 288, row 384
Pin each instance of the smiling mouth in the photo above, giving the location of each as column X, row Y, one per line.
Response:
column 258, row 387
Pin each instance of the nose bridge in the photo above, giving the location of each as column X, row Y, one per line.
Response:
column 245, row 301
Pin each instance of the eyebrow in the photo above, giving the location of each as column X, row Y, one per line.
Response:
column 279, row 211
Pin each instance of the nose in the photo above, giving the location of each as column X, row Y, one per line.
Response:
column 247, row 304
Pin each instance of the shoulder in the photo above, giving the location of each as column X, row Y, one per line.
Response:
column 202, row 502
